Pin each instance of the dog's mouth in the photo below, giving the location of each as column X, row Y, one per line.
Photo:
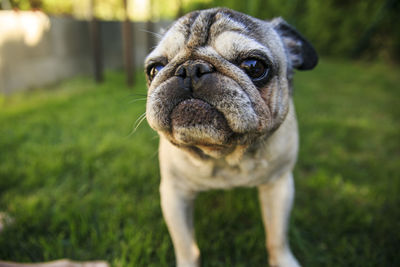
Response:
column 194, row 122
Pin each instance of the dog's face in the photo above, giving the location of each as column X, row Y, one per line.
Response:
column 219, row 80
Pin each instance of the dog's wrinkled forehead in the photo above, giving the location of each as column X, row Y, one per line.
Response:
column 227, row 30
column 199, row 27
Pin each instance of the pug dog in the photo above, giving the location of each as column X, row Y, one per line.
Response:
column 220, row 98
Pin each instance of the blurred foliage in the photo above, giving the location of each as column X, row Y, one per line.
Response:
column 340, row 28
column 58, row 7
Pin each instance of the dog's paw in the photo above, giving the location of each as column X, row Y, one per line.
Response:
column 284, row 260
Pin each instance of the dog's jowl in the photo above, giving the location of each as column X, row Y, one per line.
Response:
column 220, row 97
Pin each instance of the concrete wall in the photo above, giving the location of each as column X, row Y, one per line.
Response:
column 37, row 50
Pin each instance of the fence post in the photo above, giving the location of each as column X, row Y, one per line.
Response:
column 150, row 28
column 96, row 44
column 127, row 46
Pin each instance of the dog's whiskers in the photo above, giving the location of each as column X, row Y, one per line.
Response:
column 153, row 33
column 137, row 94
column 137, row 123
column 137, row 99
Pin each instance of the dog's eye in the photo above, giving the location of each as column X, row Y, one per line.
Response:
column 154, row 70
column 256, row 69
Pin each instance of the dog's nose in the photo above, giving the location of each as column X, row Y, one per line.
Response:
column 194, row 69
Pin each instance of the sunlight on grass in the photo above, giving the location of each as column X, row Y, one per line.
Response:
column 79, row 183
column 339, row 187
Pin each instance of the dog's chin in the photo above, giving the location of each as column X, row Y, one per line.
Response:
column 201, row 128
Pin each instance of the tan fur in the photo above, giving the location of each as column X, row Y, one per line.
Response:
column 272, row 158
column 248, row 136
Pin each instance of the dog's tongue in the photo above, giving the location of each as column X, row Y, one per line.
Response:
column 196, row 122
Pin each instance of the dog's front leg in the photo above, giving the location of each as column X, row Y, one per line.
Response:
column 177, row 207
column 276, row 202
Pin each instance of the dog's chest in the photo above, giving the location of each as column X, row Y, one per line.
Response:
column 252, row 170
column 249, row 172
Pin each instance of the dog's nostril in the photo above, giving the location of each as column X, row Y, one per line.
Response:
column 194, row 70
column 181, row 72
column 202, row 68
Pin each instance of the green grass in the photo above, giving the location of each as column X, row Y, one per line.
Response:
column 79, row 184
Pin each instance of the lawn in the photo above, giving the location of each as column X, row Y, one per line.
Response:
column 78, row 182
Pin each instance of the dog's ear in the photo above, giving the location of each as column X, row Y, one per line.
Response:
column 301, row 53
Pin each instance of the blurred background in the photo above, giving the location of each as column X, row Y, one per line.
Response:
column 78, row 163
column 43, row 41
